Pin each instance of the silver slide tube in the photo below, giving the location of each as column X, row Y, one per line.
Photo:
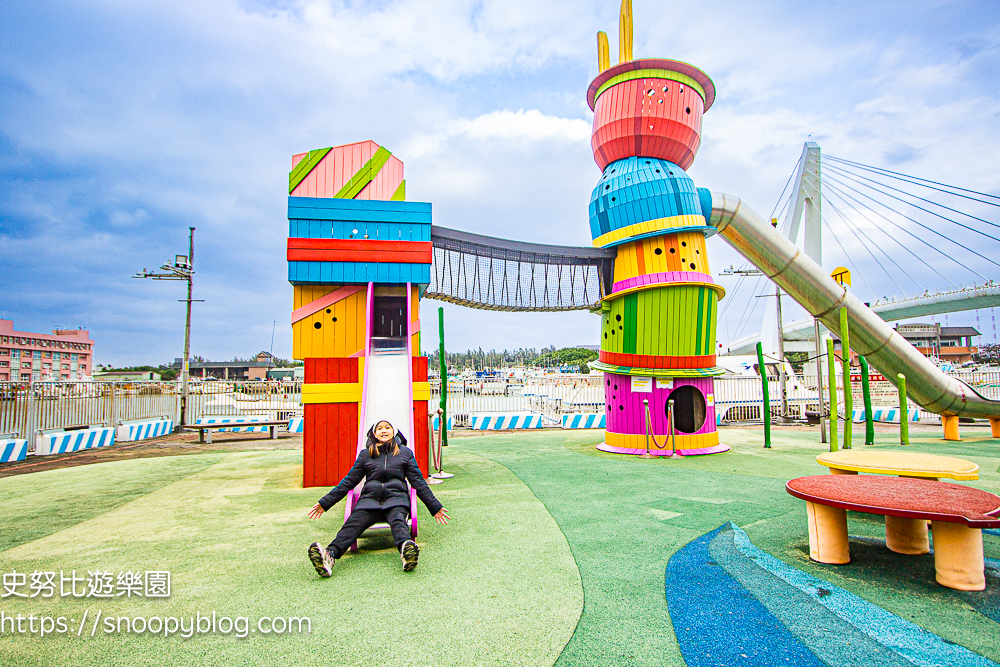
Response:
column 806, row 281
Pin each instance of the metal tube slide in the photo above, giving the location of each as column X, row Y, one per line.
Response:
column 818, row 293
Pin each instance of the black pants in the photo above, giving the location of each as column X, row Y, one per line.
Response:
column 362, row 520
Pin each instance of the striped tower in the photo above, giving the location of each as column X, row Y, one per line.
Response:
column 658, row 323
column 357, row 253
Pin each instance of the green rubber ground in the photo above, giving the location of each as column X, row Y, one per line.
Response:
column 556, row 554
column 498, row 586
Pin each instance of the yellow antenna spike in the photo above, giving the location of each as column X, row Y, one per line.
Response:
column 603, row 52
column 625, row 32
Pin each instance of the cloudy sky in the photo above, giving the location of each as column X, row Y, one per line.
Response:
column 122, row 123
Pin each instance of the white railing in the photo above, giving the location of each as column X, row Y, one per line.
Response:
column 28, row 407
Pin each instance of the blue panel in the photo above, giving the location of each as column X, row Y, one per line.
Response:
column 321, row 208
column 341, row 273
column 705, row 197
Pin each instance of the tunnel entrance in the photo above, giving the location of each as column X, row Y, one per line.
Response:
column 390, row 317
column 689, row 408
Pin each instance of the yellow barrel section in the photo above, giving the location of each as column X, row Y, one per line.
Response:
column 683, row 251
column 334, row 330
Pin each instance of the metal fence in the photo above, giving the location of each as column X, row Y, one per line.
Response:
column 26, row 408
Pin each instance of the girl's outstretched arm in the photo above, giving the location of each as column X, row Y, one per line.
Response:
column 416, row 480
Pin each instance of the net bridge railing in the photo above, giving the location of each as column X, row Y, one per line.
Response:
column 499, row 274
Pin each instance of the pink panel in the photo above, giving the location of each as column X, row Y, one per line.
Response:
column 297, row 158
column 334, row 170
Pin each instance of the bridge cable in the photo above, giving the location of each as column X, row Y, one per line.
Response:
column 847, row 197
column 971, row 229
column 910, row 194
column 905, row 177
column 849, row 260
column 918, row 223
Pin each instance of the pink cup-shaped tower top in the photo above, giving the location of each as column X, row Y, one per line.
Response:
column 650, row 108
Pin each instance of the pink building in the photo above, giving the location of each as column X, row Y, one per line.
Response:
column 61, row 355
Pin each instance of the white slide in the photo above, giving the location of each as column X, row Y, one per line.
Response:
column 387, row 394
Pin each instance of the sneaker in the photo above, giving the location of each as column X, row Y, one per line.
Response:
column 321, row 560
column 409, row 554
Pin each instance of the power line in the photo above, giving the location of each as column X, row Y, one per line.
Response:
column 896, row 174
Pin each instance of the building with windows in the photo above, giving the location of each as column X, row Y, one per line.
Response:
column 952, row 344
column 253, row 369
column 65, row 354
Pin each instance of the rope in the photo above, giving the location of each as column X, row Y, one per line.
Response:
column 905, row 177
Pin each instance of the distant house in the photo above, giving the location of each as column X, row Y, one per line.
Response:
column 135, row 376
column 255, row 369
column 952, row 344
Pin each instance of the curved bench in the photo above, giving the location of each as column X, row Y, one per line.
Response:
column 959, row 513
column 904, row 464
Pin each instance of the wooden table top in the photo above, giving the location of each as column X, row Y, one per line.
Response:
column 910, row 464
column 902, row 497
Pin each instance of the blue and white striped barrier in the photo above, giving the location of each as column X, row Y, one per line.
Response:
column 62, row 442
column 13, row 450
column 141, row 429
column 495, row 421
column 296, row 425
column 890, row 415
column 588, row 420
column 436, row 423
column 242, row 419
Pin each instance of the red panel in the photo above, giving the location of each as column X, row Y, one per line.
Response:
column 330, row 433
column 340, row 250
column 419, row 369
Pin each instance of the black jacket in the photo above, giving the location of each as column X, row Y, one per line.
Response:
column 385, row 482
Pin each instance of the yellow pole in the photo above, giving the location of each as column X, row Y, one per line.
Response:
column 625, row 32
column 603, row 52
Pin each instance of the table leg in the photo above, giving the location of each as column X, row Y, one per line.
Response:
column 201, row 435
column 906, row 536
column 209, row 436
column 958, row 556
column 274, row 432
column 827, row 534
column 838, row 471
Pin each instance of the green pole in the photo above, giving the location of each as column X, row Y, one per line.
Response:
column 767, row 402
column 832, row 366
column 904, row 418
column 845, row 358
column 867, row 393
column 444, row 379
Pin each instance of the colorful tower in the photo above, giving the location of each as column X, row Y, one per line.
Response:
column 658, row 324
column 358, row 259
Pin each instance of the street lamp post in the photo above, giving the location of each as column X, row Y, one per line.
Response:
column 182, row 268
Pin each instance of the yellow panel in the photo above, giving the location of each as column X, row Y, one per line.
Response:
column 625, row 32
column 421, row 391
column 332, row 392
column 341, row 326
column 603, row 55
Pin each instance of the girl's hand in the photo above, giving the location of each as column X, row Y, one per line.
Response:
column 316, row 512
column 442, row 516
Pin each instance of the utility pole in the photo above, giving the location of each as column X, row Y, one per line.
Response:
column 782, row 377
column 182, row 268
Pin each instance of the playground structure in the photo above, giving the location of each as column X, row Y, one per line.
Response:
column 361, row 258
column 659, row 320
column 356, row 255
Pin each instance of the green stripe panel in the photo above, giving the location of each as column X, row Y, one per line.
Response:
column 631, row 309
column 305, row 166
column 651, row 74
column 364, row 175
column 400, row 193
column 698, row 338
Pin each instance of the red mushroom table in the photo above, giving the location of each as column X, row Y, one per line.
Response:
column 958, row 515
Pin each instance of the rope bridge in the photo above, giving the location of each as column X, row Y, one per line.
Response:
column 499, row 274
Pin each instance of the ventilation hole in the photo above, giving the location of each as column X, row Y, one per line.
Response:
column 648, row 162
column 692, row 266
column 612, row 199
column 335, row 319
column 605, row 335
column 673, row 250
column 659, row 101
column 317, row 325
column 607, row 187
column 651, row 127
column 618, row 318
column 687, row 109
column 684, row 244
column 612, row 171
column 683, row 260
column 609, row 383
column 621, row 407
column 650, row 92
column 665, row 89
column 697, row 252
column 657, row 171
column 616, row 387
column 620, row 328
column 612, row 332
column 658, row 251
column 681, row 90
column 328, row 311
